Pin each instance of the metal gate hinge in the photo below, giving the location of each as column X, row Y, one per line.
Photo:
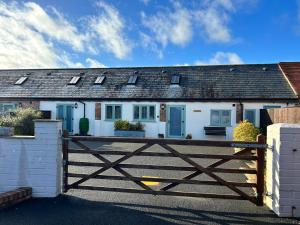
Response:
column 269, row 194
column 270, row 147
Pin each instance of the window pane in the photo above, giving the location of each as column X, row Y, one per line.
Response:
column 250, row 116
column 118, row 113
column 226, row 118
column 7, row 108
column 215, row 118
column 136, row 113
column 151, row 112
column 144, row 112
column 109, row 112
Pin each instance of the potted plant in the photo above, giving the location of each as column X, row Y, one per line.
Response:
column 125, row 129
column 84, row 126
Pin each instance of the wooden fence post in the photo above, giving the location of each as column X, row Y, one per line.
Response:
column 260, row 167
column 65, row 160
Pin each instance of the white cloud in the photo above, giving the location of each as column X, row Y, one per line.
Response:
column 109, row 27
column 226, row 4
column 147, row 43
column 178, row 25
column 56, row 27
column 27, row 36
column 170, row 26
column 213, row 20
column 92, row 63
column 146, row 2
column 20, row 45
column 31, row 37
column 183, row 64
column 221, row 58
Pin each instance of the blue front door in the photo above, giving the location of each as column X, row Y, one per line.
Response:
column 176, row 121
column 65, row 114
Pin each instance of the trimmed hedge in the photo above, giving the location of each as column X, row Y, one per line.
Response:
column 245, row 131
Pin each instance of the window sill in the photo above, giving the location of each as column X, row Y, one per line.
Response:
column 144, row 121
column 219, row 125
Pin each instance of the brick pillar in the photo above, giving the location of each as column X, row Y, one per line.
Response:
column 283, row 169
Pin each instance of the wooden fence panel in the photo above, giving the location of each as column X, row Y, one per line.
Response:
column 278, row 115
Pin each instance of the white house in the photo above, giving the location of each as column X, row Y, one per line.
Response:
column 204, row 101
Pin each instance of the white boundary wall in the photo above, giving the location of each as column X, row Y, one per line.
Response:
column 283, row 169
column 33, row 161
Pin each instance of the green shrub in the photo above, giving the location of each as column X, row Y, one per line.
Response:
column 84, row 126
column 188, row 136
column 245, row 131
column 122, row 125
column 125, row 125
column 7, row 121
column 22, row 120
column 139, row 126
column 132, row 126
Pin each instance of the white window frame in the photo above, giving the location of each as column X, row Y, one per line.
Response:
column 148, row 119
column 113, row 112
column 221, row 124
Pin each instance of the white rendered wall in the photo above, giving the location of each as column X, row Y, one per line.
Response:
column 78, row 112
column 33, row 161
column 195, row 121
column 283, row 169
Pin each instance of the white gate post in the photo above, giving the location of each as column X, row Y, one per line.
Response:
column 33, row 161
column 283, row 169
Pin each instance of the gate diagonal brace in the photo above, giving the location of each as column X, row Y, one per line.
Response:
column 107, row 163
column 204, row 170
column 195, row 174
column 110, row 165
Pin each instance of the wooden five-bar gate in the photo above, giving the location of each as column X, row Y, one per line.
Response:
column 246, row 153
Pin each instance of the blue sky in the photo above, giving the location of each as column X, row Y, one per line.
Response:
column 116, row 33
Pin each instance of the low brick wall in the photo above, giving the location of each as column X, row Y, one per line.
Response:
column 33, row 161
column 283, row 169
column 13, row 197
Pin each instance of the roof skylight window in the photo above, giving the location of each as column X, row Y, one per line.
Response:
column 74, row 80
column 175, row 79
column 21, row 80
column 132, row 80
column 99, row 80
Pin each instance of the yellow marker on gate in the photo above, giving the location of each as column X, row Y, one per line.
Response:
column 150, row 183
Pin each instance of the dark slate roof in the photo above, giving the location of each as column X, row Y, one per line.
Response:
column 197, row 83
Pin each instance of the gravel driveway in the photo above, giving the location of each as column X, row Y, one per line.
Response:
column 80, row 207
